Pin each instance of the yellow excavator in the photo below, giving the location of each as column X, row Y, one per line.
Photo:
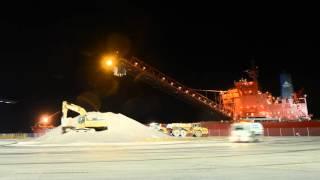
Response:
column 81, row 122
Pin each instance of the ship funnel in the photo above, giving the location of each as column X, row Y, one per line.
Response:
column 286, row 85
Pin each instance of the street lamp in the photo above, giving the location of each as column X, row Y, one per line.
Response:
column 44, row 119
column 113, row 63
column 108, row 62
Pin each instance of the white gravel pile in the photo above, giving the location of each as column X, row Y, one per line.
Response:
column 120, row 129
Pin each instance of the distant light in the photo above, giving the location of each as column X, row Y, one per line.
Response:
column 7, row 101
column 44, row 119
column 109, row 62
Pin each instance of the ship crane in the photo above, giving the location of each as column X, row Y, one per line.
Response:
column 133, row 66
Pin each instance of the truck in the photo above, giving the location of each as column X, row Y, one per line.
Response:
column 246, row 132
column 160, row 127
column 82, row 122
column 185, row 129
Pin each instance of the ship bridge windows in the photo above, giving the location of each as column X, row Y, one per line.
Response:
column 301, row 100
column 251, row 114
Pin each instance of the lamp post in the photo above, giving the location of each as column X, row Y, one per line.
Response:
column 112, row 63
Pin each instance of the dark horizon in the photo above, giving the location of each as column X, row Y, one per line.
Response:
column 50, row 53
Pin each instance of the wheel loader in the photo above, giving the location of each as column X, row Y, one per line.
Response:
column 81, row 122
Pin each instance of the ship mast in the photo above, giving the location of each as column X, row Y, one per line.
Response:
column 253, row 73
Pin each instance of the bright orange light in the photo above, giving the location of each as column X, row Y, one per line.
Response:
column 44, row 119
column 109, row 62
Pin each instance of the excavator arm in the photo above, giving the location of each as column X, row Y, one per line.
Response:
column 69, row 106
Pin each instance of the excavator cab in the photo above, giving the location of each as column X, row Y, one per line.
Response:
column 82, row 122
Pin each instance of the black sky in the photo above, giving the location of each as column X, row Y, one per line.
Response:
column 49, row 53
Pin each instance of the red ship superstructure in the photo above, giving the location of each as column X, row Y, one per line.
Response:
column 246, row 101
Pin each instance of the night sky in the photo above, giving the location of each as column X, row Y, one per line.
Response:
column 50, row 53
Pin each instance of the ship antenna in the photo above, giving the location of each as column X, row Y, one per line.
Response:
column 253, row 71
